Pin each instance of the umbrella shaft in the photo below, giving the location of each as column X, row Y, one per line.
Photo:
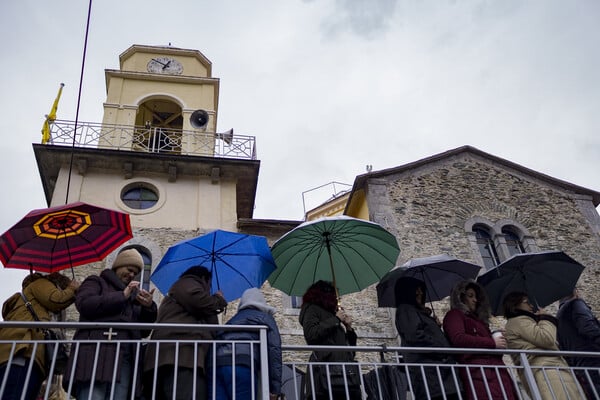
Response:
column 328, row 244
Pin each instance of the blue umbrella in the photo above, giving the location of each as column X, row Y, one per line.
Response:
column 237, row 261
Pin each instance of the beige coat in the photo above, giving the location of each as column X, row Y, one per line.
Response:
column 526, row 332
column 44, row 297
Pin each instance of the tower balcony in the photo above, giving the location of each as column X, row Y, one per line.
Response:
column 151, row 139
column 128, row 151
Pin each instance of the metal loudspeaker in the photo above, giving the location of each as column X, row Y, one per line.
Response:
column 226, row 136
column 199, row 119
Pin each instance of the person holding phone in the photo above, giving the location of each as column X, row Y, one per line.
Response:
column 112, row 296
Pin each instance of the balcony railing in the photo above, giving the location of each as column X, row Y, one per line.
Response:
column 152, row 140
column 383, row 373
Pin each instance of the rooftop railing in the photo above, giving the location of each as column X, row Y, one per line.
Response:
column 382, row 371
column 152, row 140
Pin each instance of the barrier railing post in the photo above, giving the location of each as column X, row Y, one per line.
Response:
column 529, row 378
column 264, row 364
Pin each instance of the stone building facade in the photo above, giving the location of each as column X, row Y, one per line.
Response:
column 438, row 204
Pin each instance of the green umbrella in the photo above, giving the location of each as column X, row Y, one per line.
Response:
column 349, row 252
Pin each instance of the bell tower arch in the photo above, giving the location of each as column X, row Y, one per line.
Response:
column 162, row 119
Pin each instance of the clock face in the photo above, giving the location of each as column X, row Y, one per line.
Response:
column 165, row 65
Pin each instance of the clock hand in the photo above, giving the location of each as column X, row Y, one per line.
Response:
column 166, row 65
column 161, row 63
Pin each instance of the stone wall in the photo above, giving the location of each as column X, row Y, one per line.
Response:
column 427, row 208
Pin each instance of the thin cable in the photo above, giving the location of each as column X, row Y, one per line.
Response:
column 87, row 29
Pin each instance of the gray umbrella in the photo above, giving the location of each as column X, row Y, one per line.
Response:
column 439, row 273
column 546, row 277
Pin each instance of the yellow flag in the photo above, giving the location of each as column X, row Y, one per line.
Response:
column 46, row 132
column 50, row 118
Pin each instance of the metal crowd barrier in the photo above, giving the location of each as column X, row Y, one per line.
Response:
column 383, row 373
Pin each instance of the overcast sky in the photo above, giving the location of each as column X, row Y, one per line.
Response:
column 325, row 86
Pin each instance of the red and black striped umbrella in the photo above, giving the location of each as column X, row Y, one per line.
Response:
column 53, row 239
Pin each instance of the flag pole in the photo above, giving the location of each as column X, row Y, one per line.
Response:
column 85, row 42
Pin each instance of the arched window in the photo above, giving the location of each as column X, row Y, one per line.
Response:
column 145, row 274
column 486, row 247
column 514, row 244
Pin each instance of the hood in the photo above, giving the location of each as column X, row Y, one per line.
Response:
column 9, row 305
column 29, row 279
column 254, row 298
column 483, row 310
column 406, row 290
column 187, row 281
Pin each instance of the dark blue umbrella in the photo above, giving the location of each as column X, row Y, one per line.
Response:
column 237, row 262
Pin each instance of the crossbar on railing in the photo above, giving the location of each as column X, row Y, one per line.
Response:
column 374, row 375
column 152, row 140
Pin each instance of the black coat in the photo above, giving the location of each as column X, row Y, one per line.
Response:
column 578, row 330
column 100, row 299
column 324, row 328
column 417, row 329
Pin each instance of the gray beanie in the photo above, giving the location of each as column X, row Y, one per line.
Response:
column 253, row 297
column 129, row 258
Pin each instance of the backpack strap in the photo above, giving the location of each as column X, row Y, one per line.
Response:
column 29, row 307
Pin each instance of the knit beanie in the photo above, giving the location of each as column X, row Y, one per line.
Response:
column 253, row 297
column 129, row 258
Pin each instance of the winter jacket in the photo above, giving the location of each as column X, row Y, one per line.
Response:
column 257, row 314
column 418, row 329
column 578, row 330
column 527, row 331
column 100, row 299
column 324, row 328
column 188, row 302
column 465, row 330
column 45, row 298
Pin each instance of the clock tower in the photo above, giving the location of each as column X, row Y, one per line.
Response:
column 156, row 154
column 160, row 88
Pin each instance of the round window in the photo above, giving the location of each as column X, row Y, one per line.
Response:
column 139, row 196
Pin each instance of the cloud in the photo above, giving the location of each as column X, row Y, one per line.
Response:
column 365, row 19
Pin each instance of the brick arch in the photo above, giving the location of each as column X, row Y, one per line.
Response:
column 519, row 229
column 526, row 238
column 477, row 220
column 152, row 247
column 477, row 208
